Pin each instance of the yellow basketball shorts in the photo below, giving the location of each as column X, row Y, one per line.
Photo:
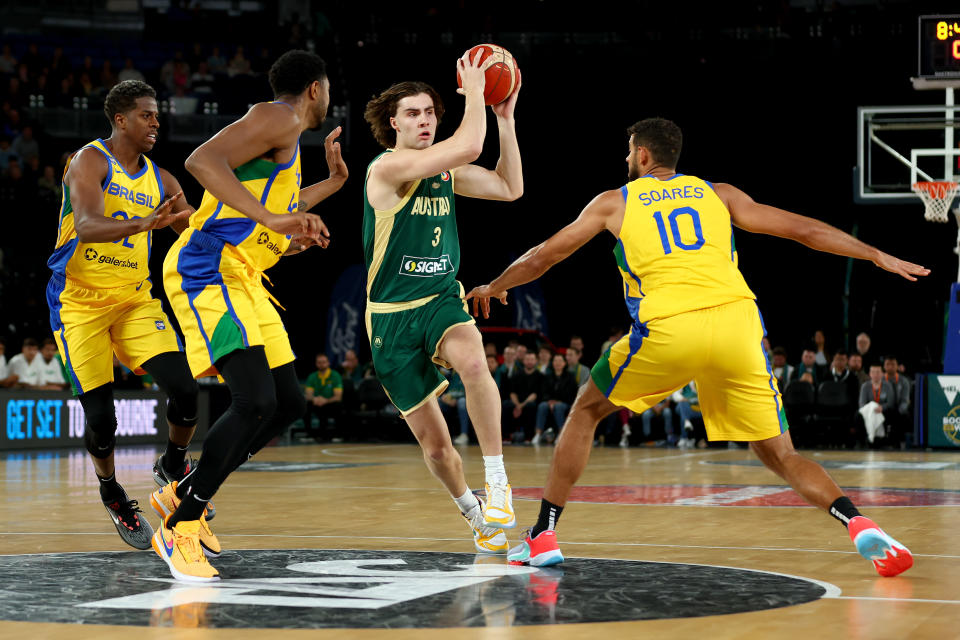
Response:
column 220, row 303
column 90, row 325
column 720, row 349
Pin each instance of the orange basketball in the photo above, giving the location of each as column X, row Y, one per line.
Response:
column 501, row 70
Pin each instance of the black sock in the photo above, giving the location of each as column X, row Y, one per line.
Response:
column 843, row 510
column 174, row 456
column 110, row 489
column 191, row 508
column 549, row 514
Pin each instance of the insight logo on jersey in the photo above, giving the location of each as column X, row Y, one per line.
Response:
column 425, row 267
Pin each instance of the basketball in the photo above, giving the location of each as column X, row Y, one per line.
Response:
column 501, row 70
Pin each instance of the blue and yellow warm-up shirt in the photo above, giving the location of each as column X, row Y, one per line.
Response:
column 675, row 250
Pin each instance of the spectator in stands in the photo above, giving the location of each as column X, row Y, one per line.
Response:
column 181, row 77
column 31, row 174
column 808, row 370
column 685, row 400
column 16, row 93
column 454, row 399
column 68, row 91
column 107, row 77
column 767, row 349
column 25, row 365
column 840, row 373
column 196, row 56
column 59, row 66
column 48, row 187
column 579, row 372
column 494, row 367
column 12, row 124
column 8, row 63
column 324, row 393
column 181, row 103
column 820, row 340
column 559, row 391
column 130, row 72
column 876, row 397
column 615, row 334
column 168, row 70
column 670, row 431
column 520, row 408
column 202, row 81
column 6, row 153
column 33, row 60
column 239, row 65
column 855, row 365
column 351, row 368
column 521, row 353
column 52, row 374
column 783, row 372
column 7, row 379
column 262, row 63
column 544, row 356
column 576, row 341
column 216, row 62
column 899, row 418
column 863, row 348
column 12, row 187
column 509, row 368
column 490, row 349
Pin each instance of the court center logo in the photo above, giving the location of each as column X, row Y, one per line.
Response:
column 348, row 588
column 90, row 254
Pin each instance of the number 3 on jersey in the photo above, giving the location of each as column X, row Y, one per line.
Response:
column 436, row 238
column 673, row 220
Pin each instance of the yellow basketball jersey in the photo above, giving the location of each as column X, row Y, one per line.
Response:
column 675, row 251
column 105, row 265
column 277, row 187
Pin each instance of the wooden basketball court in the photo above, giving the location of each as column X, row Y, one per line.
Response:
column 711, row 507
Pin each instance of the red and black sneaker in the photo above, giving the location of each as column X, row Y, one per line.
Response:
column 130, row 523
column 163, row 477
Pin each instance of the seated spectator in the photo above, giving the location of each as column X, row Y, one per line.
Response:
column 86, row 86
column 494, row 367
column 216, row 62
column 544, row 356
column 26, row 365
column 808, row 370
column 239, row 65
column 876, row 397
column 169, row 68
column 663, row 410
column 899, row 418
column 840, row 373
column 7, row 379
column 107, row 77
column 687, row 401
column 508, row 369
column 202, row 81
column 490, row 349
column 8, row 63
column 863, row 348
column 48, row 187
column 783, row 372
column 351, row 367
column 520, row 408
column 130, row 72
column 13, row 189
column 580, row 373
column 25, row 145
column 577, row 342
column 53, row 376
column 454, row 399
column 324, row 393
column 855, row 365
column 819, row 339
column 521, row 352
column 559, row 391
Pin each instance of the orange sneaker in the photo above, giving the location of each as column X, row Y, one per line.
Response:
column 889, row 557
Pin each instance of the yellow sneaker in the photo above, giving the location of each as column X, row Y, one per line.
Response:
column 498, row 511
column 485, row 538
column 165, row 501
column 180, row 549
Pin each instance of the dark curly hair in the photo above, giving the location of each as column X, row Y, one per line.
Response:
column 661, row 137
column 384, row 106
column 294, row 71
column 123, row 97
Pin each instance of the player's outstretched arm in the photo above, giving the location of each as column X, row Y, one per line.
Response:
column 760, row 218
column 265, row 127
column 604, row 212
column 463, row 147
column 506, row 181
column 316, row 193
column 178, row 220
column 84, row 178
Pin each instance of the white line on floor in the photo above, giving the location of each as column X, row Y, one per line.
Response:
column 893, row 599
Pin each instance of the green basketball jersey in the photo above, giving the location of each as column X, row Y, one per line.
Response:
column 412, row 250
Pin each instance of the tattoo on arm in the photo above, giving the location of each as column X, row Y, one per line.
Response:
column 302, row 205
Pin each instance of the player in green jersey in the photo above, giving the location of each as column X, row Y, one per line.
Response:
column 416, row 315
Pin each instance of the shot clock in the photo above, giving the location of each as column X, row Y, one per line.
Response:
column 939, row 53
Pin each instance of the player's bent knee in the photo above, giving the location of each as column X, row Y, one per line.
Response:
column 100, row 432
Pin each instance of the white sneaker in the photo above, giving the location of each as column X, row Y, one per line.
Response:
column 536, row 439
column 498, row 510
column 462, row 439
column 485, row 538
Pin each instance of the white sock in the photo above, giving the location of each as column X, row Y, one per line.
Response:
column 467, row 501
column 494, row 469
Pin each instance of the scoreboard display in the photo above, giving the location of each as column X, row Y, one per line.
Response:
column 939, row 46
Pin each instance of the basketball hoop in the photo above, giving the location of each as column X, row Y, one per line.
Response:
column 937, row 198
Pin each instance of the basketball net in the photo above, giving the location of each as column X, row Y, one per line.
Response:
column 937, row 198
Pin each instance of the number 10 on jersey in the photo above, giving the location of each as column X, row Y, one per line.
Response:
column 673, row 221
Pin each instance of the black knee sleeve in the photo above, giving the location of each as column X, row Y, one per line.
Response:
column 172, row 374
column 100, row 432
